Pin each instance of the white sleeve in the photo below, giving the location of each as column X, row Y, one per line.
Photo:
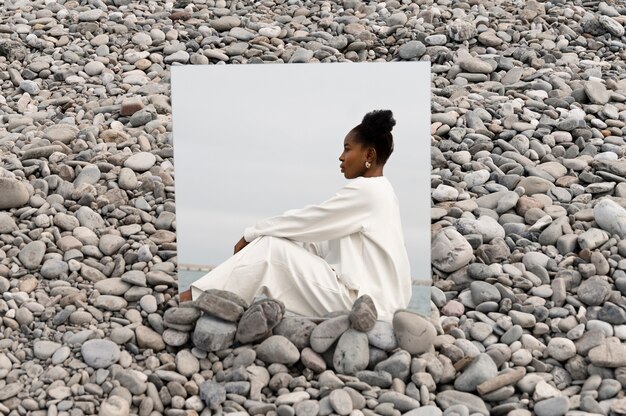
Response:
column 343, row 214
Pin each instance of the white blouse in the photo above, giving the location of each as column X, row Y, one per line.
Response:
column 359, row 233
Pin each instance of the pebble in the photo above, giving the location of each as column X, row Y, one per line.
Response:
column 556, row 406
column 561, row 349
column 363, row 315
column 610, row 216
column 414, row 333
column 258, row 321
column 450, row 251
column 14, row 193
column 341, row 402
column 45, row 349
column 297, row 330
column 351, row 353
column 149, row 339
column 326, row 333
column 278, row 349
column 100, row 353
column 140, row 162
column 481, row 369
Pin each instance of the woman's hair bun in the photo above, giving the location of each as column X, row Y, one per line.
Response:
column 379, row 121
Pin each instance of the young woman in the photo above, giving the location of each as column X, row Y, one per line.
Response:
column 320, row 258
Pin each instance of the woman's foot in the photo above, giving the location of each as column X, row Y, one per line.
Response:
column 185, row 296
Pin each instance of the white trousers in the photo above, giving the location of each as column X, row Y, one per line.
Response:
column 280, row 269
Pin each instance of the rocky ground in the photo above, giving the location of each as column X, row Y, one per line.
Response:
column 528, row 218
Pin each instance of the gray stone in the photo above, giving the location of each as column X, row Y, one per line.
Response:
column 44, row 349
column 94, row 68
column 450, row 251
column 597, row 92
column 7, row 223
column 300, row 56
column 449, row 398
column 186, row 363
column 32, row 254
column 341, row 402
column 612, row 26
column 112, row 286
column 14, row 193
column 10, row 390
column 221, row 304
column 259, row 320
column 175, row 338
column 30, row 87
column 110, row 243
column 610, row 216
column 414, row 333
column 382, row 336
column 213, row 394
column 412, row 49
column 89, row 219
column 181, row 57
column 100, row 353
column 475, row 65
column 213, row 334
column 140, row 162
column 127, row 179
column 594, row 291
column 64, row 133
column 278, row 349
column 398, row 365
column 114, row 406
column 297, row 330
column 149, row 339
column 363, row 315
column 485, row 226
column 400, row 401
column 556, row 406
column 326, row 333
column 312, row 360
column 182, row 316
column 110, row 303
column 132, row 380
column 157, row 277
column 352, row 353
column 53, row 269
column 592, row 238
column 425, row 411
column 381, row 379
column 611, row 353
column 481, row 369
column 460, row 30
column 90, row 15
column 484, row 292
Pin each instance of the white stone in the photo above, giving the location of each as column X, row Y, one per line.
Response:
column 445, row 193
column 561, row 349
column 610, row 217
column 450, row 250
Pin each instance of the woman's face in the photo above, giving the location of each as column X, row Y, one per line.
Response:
column 353, row 158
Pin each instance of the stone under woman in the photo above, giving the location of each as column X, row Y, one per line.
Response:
column 321, row 258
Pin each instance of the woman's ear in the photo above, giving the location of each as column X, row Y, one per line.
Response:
column 371, row 154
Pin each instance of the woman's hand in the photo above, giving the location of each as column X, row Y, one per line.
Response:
column 240, row 244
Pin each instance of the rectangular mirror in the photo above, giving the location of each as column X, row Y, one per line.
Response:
column 252, row 141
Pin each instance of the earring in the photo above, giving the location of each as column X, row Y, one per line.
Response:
column 368, row 164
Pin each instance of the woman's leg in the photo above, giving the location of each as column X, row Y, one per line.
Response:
column 283, row 270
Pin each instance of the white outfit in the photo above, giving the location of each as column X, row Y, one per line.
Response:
column 352, row 244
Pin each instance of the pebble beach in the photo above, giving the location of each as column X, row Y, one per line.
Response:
column 528, row 186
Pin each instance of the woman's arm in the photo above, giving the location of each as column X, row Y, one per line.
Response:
column 345, row 213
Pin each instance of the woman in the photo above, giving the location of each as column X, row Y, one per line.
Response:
column 320, row 258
